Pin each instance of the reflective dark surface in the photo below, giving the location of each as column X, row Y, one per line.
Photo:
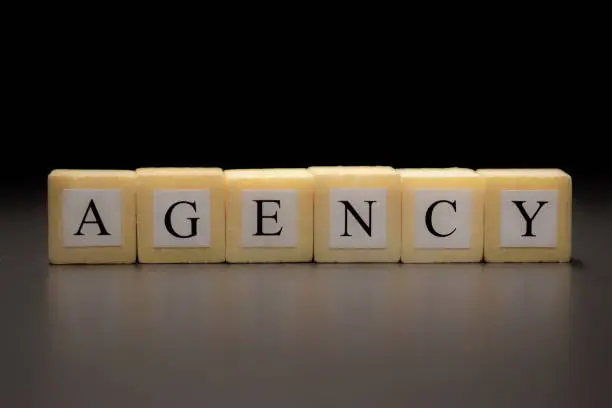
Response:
column 305, row 335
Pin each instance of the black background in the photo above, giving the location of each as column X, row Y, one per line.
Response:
column 276, row 136
column 91, row 107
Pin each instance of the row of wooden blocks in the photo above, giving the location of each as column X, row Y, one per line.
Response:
column 320, row 214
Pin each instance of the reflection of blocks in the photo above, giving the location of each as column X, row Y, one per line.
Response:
column 528, row 215
column 269, row 215
column 442, row 215
column 357, row 214
column 92, row 216
column 181, row 215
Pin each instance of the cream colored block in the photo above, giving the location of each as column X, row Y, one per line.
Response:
column 528, row 215
column 91, row 216
column 269, row 215
column 442, row 215
column 357, row 214
column 181, row 215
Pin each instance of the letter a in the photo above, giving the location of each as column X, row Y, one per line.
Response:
column 98, row 220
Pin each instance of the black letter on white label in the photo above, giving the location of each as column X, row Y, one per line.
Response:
column 193, row 221
column 92, row 207
column 429, row 214
column 349, row 208
column 260, row 217
column 528, row 219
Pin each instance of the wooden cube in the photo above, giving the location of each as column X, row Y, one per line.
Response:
column 357, row 214
column 91, row 216
column 181, row 215
column 442, row 215
column 269, row 215
column 528, row 215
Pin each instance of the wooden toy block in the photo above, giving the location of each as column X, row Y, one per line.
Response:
column 528, row 215
column 269, row 215
column 91, row 216
column 357, row 214
column 442, row 215
column 181, row 215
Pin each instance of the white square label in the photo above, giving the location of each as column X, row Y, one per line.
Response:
column 442, row 218
column 181, row 218
column 358, row 218
column 269, row 218
column 91, row 218
column 528, row 218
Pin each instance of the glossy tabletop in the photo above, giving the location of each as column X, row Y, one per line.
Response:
column 293, row 336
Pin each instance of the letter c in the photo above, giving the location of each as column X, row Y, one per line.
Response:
column 429, row 214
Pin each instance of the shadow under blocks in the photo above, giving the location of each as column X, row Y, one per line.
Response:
column 336, row 214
